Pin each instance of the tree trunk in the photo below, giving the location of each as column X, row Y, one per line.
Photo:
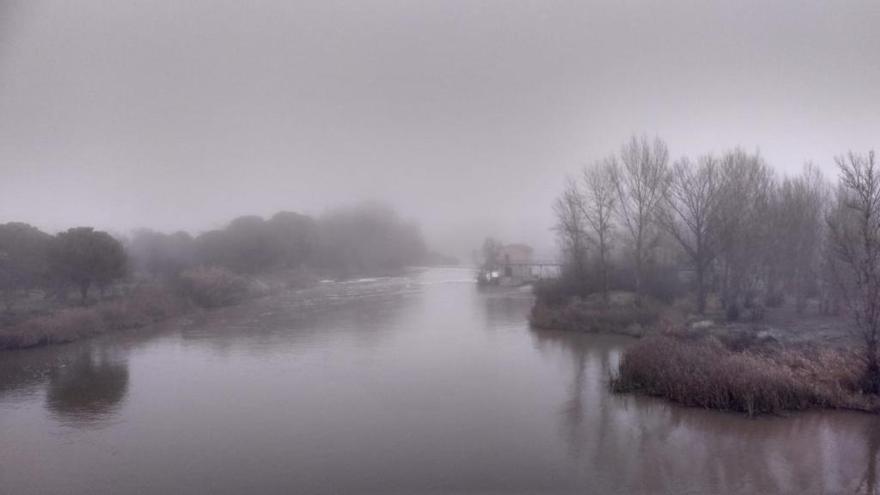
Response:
column 800, row 296
column 638, row 299
column 871, row 383
column 701, row 289
column 605, row 296
column 725, row 286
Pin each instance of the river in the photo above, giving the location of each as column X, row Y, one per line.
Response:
column 419, row 385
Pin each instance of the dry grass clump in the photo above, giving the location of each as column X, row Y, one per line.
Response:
column 706, row 373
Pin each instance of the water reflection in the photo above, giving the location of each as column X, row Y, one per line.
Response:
column 445, row 387
column 504, row 307
column 89, row 390
column 646, row 445
column 868, row 482
column 20, row 375
column 278, row 324
column 584, row 413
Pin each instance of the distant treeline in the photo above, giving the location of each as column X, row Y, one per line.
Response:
column 367, row 239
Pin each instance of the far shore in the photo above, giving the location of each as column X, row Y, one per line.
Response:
column 151, row 303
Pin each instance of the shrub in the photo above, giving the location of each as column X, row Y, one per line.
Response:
column 141, row 307
column 706, row 373
column 592, row 315
column 211, row 287
column 553, row 291
column 662, row 283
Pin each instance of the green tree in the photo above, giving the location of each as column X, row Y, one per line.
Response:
column 85, row 257
column 23, row 254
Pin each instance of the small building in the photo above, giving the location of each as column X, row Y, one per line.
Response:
column 515, row 260
column 511, row 264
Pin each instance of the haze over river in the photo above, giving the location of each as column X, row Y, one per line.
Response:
column 423, row 384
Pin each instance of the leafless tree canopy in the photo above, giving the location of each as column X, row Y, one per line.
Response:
column 855, row 237
column 571, row 228
column 599, row 207
column 690, row 215
column 725, row 228
column 640, row 180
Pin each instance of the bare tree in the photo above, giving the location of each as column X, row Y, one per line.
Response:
column 801, row 204
column 746, row 189
column 691, row 215
column 640, row 181
column 854, row 231
column 599, row 203
column 571, row 230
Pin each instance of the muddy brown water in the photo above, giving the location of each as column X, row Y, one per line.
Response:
column 424, row 385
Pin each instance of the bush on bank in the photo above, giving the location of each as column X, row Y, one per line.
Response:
column 592, row 315
column 211, row 287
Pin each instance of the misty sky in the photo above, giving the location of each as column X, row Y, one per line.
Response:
column 464, row 115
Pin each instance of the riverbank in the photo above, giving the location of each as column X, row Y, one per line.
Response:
column 783, row 362
column 143, row 306
column 134, row 305
column 204, row 290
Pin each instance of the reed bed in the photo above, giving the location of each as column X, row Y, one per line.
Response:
column 761, row 379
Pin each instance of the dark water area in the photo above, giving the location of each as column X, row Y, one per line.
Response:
column 422, row 385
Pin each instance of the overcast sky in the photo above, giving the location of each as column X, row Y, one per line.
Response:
column 464, row 115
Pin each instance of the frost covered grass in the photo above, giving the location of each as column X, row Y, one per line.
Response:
column 143, row 305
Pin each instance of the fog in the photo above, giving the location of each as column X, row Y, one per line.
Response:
column 458, row 246
column 464, row 116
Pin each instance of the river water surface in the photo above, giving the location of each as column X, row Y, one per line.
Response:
column 423, row 385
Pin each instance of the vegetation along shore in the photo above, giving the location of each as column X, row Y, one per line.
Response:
column 81, row 282
column 752, row 291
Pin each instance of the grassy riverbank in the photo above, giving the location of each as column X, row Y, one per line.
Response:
column 136, row 306
column 207, row 289
column 786, row 361
column 66, row 324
